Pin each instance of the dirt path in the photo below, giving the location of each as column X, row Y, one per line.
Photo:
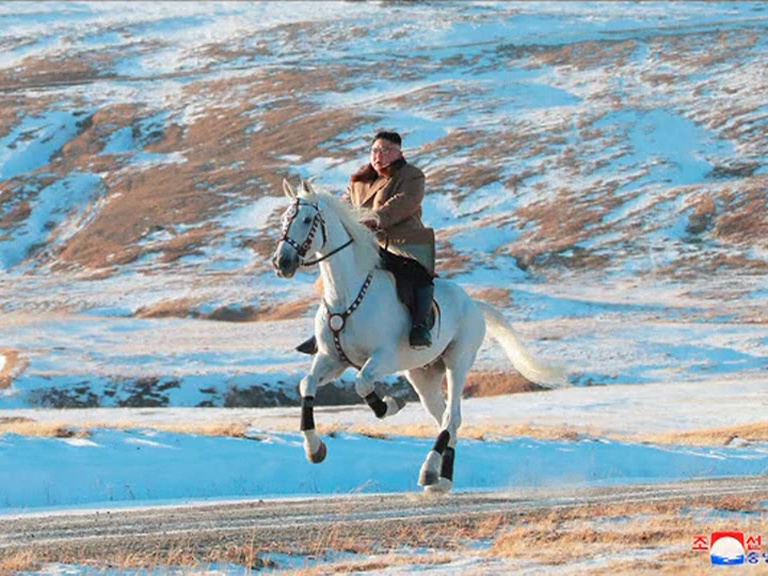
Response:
column 312, row 526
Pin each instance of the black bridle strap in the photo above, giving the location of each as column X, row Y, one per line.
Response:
column 331, row 253
column 302, row 249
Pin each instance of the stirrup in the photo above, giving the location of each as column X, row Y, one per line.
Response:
column 420, row 337
column 309, row 346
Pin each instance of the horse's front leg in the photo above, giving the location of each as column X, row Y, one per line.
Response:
column 381, row 363
column 324, row 369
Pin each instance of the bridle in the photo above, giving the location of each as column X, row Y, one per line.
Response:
column 317, row 222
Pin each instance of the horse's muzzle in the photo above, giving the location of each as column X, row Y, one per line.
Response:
column 285, row 262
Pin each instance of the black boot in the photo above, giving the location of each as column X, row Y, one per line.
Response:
column 309, row 346
column 422, row 302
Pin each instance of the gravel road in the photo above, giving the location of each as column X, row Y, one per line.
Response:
column 309, row 525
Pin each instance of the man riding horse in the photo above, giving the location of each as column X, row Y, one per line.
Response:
column 393, row 190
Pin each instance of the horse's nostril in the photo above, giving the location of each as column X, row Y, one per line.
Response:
column 284, row 263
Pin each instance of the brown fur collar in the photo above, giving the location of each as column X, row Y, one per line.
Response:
column 368, row 174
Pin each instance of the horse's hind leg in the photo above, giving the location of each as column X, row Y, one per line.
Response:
column 439, row 462
column 458, row 365
column 428, row 382
column 446, row 440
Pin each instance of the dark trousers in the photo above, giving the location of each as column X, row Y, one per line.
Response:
column 415, row 288
column 406, row 268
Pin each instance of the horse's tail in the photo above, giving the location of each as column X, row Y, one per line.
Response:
column 550, row 376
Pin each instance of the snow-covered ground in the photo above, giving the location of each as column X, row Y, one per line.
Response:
column 604, row 429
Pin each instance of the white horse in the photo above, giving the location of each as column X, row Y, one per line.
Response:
column 363, row 324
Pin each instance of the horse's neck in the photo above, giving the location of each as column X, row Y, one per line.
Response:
column 342, row 276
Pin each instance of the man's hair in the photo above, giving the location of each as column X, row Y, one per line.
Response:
column 393, row 137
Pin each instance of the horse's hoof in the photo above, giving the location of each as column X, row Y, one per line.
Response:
column 318, row 456
column 428, row 474
column 428, row 478
column 442, row 486
column 394, row 405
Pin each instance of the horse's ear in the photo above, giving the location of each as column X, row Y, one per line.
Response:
column 307, row 187
column 288, row 189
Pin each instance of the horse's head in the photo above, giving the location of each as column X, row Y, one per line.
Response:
column 301, row 222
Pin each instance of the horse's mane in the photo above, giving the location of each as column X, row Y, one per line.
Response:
column 365, row 244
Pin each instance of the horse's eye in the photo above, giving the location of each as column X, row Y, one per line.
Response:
column 308, row 220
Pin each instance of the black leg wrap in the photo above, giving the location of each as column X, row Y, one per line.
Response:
column 307, row 413
column 442, row 442
column 378, row 405
column 446, row 469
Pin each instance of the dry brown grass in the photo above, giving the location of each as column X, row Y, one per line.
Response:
column 551, row 537
column 28, row 427
column 191, row 551
column 49, row 71
column 755, row 432
column 189, row 308
column 562, row 542
column 183, row 553
column 371, row 564
column 736, row 503
column 496, row 383
column 610, row 532
column 744, row 216
column 179, row 197
column 179, row 308
column 500, row 297
column 233, row 148
column 286, row 311
column 588, row 54
column 15, row 364
column 449, row 260
column 16, row 562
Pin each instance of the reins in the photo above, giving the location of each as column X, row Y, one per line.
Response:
column 331, row 253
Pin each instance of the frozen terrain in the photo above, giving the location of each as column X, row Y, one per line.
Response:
column 597, row 172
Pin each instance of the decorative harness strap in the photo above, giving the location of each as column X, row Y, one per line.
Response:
column 336, row 322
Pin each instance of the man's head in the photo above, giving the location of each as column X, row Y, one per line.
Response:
column 385, row 150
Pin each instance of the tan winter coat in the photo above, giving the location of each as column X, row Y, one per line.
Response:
column 396, row 200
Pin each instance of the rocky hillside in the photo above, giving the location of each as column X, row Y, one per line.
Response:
column 566, row 146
